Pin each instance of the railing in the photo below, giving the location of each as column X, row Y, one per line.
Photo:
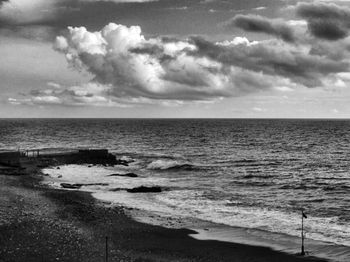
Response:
column 31, row 153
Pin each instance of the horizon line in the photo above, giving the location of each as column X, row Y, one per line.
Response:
column 180, row 118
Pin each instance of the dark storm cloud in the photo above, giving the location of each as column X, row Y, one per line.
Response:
column 330, row 30
column 259, row 24
column 272, row 58
column 323, row 10
column 326, row 21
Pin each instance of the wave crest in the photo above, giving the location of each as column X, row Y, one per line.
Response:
column 162, row 164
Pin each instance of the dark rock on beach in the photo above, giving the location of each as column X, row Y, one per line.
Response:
column 144, row 189
column 125, row 175
column 77, row 186
column 70, row 186
column 117, row 189
column 94, row 184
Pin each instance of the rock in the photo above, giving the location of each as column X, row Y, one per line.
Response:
column 58, row 167
column 70, row 186
column 116, row 189
column 94, row 184
column 60, row 176
column 144, row 189
column 77, row 186
column 125, row 175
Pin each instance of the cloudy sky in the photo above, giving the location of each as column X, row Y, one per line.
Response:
column 175, row 58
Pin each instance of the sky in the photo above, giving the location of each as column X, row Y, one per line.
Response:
column 175, row 58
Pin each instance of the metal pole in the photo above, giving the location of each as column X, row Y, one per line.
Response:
column 106, row 249
column 302, row 234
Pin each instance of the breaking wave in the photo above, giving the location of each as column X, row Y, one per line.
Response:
column 162, row 164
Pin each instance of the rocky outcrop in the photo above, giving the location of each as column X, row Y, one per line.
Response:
column 125, row 175
column 77, row 186
column 70, row 186
column 144, row 189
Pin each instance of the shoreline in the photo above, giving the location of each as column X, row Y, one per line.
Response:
column 45, row 224
column 145, row 208
column 207, row 230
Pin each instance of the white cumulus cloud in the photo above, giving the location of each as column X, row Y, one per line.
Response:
column 155, row 68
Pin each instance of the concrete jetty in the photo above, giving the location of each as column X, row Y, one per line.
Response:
column 41, row 158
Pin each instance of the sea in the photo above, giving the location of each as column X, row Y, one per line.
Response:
column 246, row 180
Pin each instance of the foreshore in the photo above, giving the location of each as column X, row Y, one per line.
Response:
column 38, row 223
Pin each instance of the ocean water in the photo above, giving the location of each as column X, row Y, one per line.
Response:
column 251, row 174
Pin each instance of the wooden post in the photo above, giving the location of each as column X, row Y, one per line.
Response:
column 106, row 249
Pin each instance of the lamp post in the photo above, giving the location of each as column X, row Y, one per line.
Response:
column 106, row 249
column 302, row 233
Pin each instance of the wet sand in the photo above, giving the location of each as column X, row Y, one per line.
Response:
column 43, row 224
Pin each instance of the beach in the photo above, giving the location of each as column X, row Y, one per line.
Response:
column 39, row 223
column 175, row 130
